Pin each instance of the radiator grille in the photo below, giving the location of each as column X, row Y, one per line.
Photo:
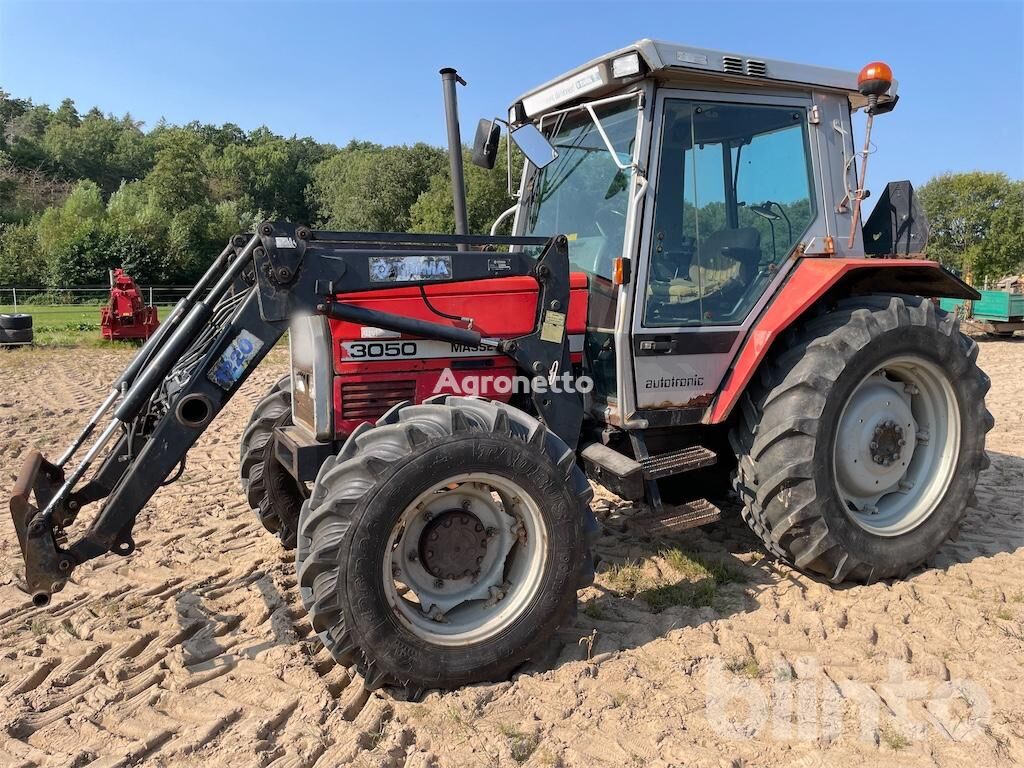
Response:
column 371, row 401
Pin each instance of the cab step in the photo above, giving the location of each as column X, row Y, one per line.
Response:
column 678, row 461
column 676, row 518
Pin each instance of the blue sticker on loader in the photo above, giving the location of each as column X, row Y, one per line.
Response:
column 226, row 372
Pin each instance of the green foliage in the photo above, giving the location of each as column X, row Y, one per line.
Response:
column 486, row 196
column 370, row 187
column 21, row 262
column 977, row 223
column 81, row 192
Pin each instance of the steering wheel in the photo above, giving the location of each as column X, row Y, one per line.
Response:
column 672, row 263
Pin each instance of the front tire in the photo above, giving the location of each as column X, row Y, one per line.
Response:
column 274, row 495
column 859, row 447
column 444, row 546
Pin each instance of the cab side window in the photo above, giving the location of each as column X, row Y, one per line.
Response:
column 734, row 197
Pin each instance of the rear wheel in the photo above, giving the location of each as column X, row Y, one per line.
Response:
column 859, row 448
column 445, row 545
column 274, row 495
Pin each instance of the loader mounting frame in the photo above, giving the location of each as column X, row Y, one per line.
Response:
column 215, row 337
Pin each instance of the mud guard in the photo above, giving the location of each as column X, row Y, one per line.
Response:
column 810, row 280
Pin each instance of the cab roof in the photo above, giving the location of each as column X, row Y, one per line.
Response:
column 677, row 59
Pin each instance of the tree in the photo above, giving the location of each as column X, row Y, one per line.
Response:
column 67, row 114
column 977, row 223
column 178, row 179
column 487, row 195
column 369, row 187
column 20, row 261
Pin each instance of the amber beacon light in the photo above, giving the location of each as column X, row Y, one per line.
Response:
column 874, row 80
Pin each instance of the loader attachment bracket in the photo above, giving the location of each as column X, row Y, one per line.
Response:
column 46, row 567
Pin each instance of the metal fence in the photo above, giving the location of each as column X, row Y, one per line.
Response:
column 77, row 306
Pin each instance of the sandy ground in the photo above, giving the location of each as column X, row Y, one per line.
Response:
column 196, row 650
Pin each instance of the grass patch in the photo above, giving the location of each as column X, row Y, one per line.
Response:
column 698, row 587
column 746, row 666
column 895, row 740
column 593, row 610
column 68, row 316
column 39, row 627
column 626, row 579
column 694, row 567
column 699, row 595
column 521, row 745
column 1004, row 614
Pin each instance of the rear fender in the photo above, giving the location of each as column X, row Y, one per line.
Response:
column 809, row 282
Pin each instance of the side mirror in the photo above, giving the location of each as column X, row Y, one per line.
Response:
column 485, row 145
column 534, row 145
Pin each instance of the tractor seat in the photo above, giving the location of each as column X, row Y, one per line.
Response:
column 726, row 258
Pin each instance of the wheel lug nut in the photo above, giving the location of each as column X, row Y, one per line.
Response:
column 873, row 445
column 433, row 536
column 466, row 504
column 478, row 528
column 413, row 558
column 479, row 560
column 430, row 553
column 428, row 515
column 439, row 583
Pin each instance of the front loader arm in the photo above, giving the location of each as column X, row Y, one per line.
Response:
column 213, row 340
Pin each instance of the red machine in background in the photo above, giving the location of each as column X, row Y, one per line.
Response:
column 126, row 316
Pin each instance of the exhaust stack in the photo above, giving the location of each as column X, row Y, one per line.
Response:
column 449, row 78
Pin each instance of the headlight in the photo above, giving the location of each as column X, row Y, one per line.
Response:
column 627, row 65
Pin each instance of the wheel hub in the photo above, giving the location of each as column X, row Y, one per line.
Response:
column 896, row 444
column 453, row 545
column 887, row 443
column 464, row 557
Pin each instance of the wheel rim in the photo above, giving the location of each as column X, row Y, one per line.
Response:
column 897, row 445
column 465, row 559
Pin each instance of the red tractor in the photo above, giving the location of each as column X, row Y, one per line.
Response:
column 688, row 284
column 126, row 316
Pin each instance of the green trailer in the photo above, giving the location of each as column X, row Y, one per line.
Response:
column 998, row 312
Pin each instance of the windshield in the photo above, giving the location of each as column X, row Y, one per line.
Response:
column 583, row 194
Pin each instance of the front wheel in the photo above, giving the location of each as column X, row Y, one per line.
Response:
column 445, row 545
column 274, row 495
column 860, row 446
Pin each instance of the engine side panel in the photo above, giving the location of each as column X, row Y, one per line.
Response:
column 375, row 369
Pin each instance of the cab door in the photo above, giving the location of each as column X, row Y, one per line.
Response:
column 734, row 194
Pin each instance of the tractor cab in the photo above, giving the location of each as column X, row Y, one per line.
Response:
column 688, row 182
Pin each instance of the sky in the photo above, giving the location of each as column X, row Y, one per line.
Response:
column 342, row 70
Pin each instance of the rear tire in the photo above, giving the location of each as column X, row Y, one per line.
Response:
column 368, row 526
column 831, row 491
column 274, row 495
